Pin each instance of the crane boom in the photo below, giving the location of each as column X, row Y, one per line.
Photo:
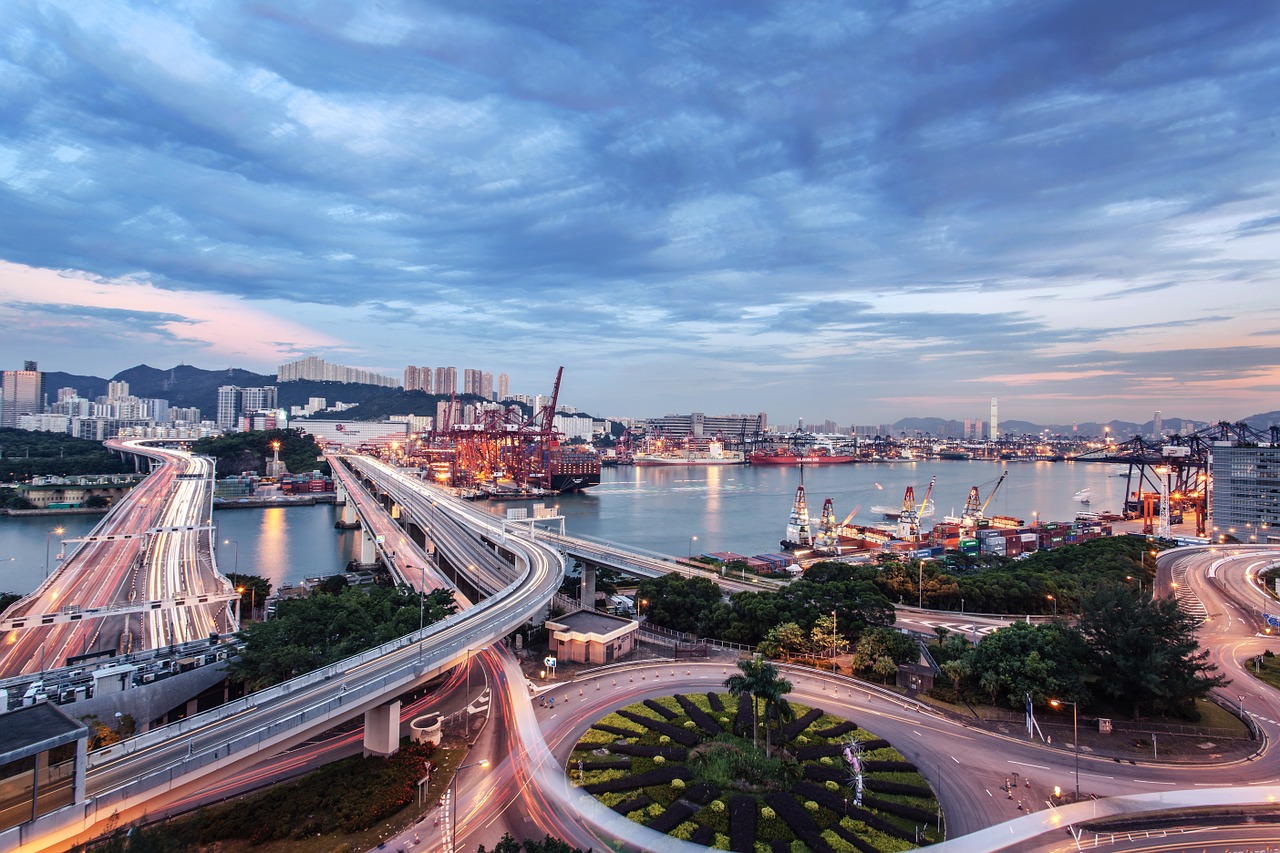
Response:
column 994, row 489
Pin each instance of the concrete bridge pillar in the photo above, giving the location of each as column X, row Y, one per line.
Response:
column 349, row 520
column 395, row 510
column 588, row 586
column 339, row 492
column 368, row 547
column 382, row 730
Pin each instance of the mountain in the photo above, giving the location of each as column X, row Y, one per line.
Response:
column 185, row 385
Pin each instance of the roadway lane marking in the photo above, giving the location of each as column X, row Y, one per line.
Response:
column 985, row 789
column 917, row 734
column 1152, row 782
column 953, row 758
column 1024, row 764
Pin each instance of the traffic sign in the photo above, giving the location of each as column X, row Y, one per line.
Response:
column 550, row 662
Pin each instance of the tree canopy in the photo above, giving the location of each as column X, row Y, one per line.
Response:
column 24, row 454
column 308, row 633
column 250, row 451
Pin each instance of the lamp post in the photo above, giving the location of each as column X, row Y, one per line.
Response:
column 692, row 539
column 253, row 599
column 1055, row 605
column 920, row 584
column 1075, row 735
column 48, row 540
column 453, row 802
column 422, row 610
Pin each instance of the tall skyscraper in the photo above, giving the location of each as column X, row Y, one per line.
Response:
column 21, row 393
column 486, row 385
column 504, row 386
column 1157, row 425
column 471, row 381
column 995, row 420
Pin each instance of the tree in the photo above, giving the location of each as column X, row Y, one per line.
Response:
column 776, row 707
column 783, row 641
column 679, row 603
column 1042, row 660
column 825, row 638
column 758, row 679
column 884, row 667
column 1144, row 653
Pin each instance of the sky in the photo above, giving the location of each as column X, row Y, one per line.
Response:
column 859, row 211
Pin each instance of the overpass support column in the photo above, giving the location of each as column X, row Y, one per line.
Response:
column 395, row 510
column 339, row 492
column 349, row 519
column 588, row 586
column 368, row 549
column 382, row 730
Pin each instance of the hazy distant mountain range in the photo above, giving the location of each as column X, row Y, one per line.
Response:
column 185, row 385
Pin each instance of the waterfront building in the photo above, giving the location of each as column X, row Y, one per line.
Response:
column 21, row 393
column 354, row 432
column 995, row 419
column 699, row 426
column 1244, row 492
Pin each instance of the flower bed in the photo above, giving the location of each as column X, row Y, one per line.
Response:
column 689, row 777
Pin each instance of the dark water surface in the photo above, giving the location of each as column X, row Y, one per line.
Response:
column 728, row 508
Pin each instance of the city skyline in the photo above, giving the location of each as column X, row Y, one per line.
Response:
column 862, row 214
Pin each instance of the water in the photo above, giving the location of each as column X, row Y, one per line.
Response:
column 728, row 508
column 744, row 509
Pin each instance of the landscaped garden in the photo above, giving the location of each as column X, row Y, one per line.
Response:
column 708, row 768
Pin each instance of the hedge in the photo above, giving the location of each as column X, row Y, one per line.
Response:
column 625, row 764
column 876, row 766
column 667, row 713
column 644, row 750
column 742, row 823
column 795, row 727
column 713, row 700
column 656, row 776
column 893, row 807
column 862, row 845
column 742, row 723
column 703, row 835
column 819, row 750
column 633, row 805
column 677, row 734
column 676, row 814
column 798, row 819
column 837, row 730
column 701, row 718
column 885, row 786
column 837, row 804
column 616, row 730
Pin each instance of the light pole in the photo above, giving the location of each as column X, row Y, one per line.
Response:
column 48, row 540
column 692, row 539
column 920, row 584
column 453, row 802
column 422, row 610
column 253, row 599
column 1055, row 605
column 1075, row 735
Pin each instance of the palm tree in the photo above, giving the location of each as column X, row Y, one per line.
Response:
column 776, row 708
column 759, row 679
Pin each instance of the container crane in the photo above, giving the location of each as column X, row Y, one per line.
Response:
column 974, row 513
column 909, row 519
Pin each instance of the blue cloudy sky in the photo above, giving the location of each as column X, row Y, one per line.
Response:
column 848, row 210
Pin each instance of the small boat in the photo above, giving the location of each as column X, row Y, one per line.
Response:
column 1082, row 496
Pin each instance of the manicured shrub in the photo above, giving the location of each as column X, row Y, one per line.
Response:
column 699, row 717
column 658, row 759
column 798, row 818
column 675, row 814
column 656, row 707
column 882, row 786
column 656, row 776
column 713, row 699
column 837, row 730
column 795, row 727
column 703, row 835
column 634, row 804
column 675, row 733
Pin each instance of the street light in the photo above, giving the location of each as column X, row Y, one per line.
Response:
column 920, row 585
column 48, row 539
column 1075, row 735
column 453, row 802
column 253, row 599
column 1055, row 605
column 692, row 539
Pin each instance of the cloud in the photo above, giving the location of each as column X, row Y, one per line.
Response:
column 751, row 198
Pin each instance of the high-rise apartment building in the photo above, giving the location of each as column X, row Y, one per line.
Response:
column 418, row 379
column 316, row 369
column 117, row 390
column 486, row 386
column 504, row 386
column 21, row 393
column 446, row 380
column 234, row 401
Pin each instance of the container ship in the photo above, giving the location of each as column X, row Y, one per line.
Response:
column 817, row 456
column 715, row 454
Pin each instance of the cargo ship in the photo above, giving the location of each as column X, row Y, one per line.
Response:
column 817, row 456
column 565, row 469
column 715, row 454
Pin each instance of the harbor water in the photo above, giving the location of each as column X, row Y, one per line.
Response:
column 736, row 508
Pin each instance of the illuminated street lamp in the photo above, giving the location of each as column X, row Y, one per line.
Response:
column 48, row 540
column 1075, row 735
column 1055, row 605
column 253, row 599
column 236, row 544
column 692, row 539
column 453, row 803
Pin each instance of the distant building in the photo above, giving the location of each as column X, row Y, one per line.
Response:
column 1157, row 425
column 699, row 426
column 995, row 419
column 234, row 401
column 354, row 432
column 1244, row 492
column 418, row 379
column 446, row 380
column 21, row 393
column 316, row 369
column 504, row 386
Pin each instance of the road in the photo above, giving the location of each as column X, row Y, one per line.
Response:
column 140, row 565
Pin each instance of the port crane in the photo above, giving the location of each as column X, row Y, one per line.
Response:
column 909, row 519
column 974, row 513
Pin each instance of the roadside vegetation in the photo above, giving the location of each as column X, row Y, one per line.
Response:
column 237, row 452
column 24, row 454
column 347, row 797
column 745, row 768
column 329, row 625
